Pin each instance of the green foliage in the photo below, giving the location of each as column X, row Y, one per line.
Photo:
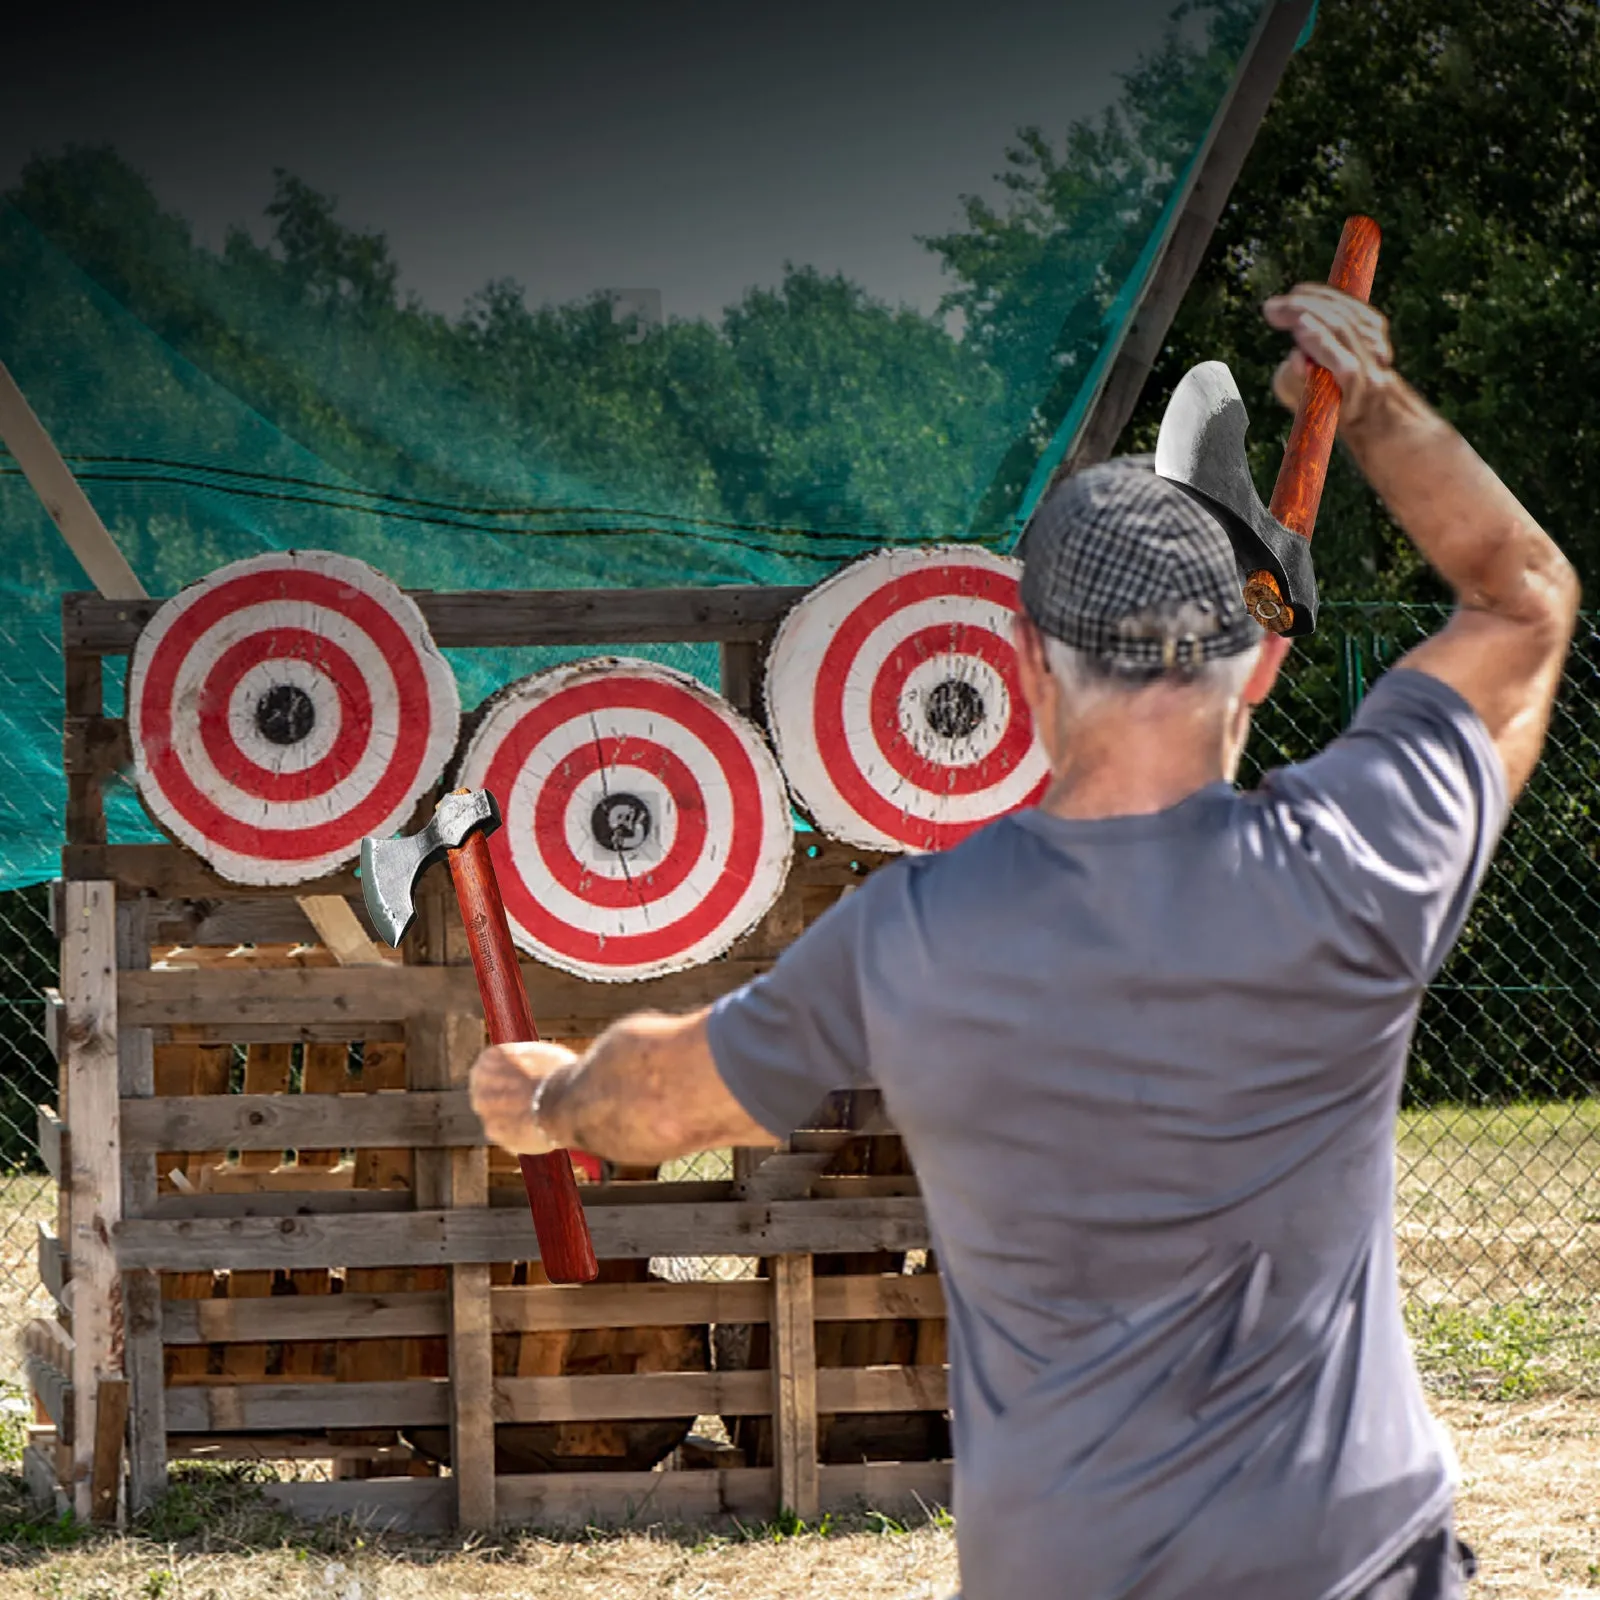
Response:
column 1468, row 131
column 1506, row 1352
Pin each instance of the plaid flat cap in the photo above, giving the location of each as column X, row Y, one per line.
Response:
column 1112, row 544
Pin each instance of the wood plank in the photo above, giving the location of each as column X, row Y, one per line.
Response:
column 906, row 1486
column 267, row 1069
column 83, row 696
column 794, row 1380
column 46, row 1338
column 136, row 1073
column 577, row 1499
column 95, row 746
column 439, row 1053
column 222, row 1034
column 489, row 619
column 53, row 1145
column 39, row 1475
column 173, row 875
column 605, row 1397
column 275, row 1121
column 262, row 1407
column 91, row 1111
column 301, row 997
column 52, row 1390
column 110, row 1436
column 472, row 1387
column 62, row 495
column 314, row 1446
column 52, row 1264
column 516, row 1309
column 883, row 1388
column 332, row 1316
column 52, row 1022
column 384, row 1505
column 444, row 1238
column 147, row 1391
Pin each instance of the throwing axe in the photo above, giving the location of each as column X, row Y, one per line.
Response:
column 1201, row 448
column 459, row 831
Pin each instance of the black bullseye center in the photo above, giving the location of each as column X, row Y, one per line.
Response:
column 954, row 709
column 285, row 714
column 621, row 823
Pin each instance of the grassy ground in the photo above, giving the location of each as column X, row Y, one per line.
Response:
column 1499, row 1232
column 1530, row 1492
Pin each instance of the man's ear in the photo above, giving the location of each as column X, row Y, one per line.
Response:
column 1033, row 667
column 1274, row 651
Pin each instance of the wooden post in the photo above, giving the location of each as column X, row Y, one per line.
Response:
column 794, row 1378
column 144, row 1400
column 439, row 1052
column 94, row 1193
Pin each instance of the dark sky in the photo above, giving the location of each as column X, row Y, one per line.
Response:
column 689, row 148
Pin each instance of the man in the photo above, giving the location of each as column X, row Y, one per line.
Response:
column 1146, row 1042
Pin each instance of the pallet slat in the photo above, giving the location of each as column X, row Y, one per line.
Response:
column 468, row 618
column 445, row 1238
column 541, row 1309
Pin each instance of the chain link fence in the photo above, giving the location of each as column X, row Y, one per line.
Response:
column 1498, row 1162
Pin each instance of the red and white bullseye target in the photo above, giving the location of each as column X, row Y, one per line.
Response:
column 893, row 698
column 285, row 707
column 646, row 825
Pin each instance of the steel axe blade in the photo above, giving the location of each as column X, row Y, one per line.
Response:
column 1201, row 449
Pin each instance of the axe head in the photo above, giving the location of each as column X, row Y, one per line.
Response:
column 1201, row 449
column 390, row 867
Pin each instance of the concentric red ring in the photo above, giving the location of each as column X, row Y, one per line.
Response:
column 699, row 721
column 202, row 813
column 828, row 724
column 947, row 638
column 550, row 823
column 355, row 715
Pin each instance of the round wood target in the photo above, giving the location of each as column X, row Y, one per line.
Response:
column 893, row 697
column 284, row 708
column 646, row 824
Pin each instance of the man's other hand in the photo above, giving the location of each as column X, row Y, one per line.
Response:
column 502, row 1085
column 1338, row 332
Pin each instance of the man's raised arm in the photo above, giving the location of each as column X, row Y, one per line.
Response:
column 1516, row 594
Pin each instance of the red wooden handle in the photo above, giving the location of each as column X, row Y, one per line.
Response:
column 565, row 1248
column 1298, row 491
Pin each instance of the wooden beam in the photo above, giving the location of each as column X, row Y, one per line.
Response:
column 302, row 997
column 54, row 1145
column 445, row 1238
column 382, row 1505
column 146, row 1388
column 171, row 873
column 866, row 1298
column 63, row 498
column 435, row 1120
column 494, row 618
column 91, row 1111
column 794, row 1380
column 261, row 1407
column 636, row 1499
column 1212, row 177
column 110, row 1435
column 51, row 1261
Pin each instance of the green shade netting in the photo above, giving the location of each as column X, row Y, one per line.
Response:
column 219, row 402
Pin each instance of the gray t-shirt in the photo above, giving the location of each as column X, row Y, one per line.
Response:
column 1147, row 1068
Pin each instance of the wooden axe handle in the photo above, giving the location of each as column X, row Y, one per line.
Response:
column 1298, row 491
column 565, row 1249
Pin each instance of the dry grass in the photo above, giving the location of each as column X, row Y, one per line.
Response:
column 1530, row 1504
column 1500, row 1254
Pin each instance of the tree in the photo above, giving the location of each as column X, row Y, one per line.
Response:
column 1472, row 134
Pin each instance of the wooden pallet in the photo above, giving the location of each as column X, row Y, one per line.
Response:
column 280, row 1236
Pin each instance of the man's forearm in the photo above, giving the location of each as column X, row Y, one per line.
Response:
column 1466, row 523
column 645, row 1092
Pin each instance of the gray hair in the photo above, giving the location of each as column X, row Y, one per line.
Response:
column 1086, row 677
